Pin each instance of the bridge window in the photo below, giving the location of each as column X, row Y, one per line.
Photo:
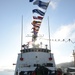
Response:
column 49, row 64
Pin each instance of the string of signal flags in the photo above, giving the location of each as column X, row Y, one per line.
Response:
column 63, row 40
column 37, row 20
column 54, row 40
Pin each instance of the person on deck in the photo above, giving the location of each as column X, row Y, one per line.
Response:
column 59, row 71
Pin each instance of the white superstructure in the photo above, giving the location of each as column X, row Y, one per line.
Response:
column 31, row 58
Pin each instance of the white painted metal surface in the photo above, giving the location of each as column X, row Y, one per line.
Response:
column 32, row 57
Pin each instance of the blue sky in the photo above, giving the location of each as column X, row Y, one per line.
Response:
column 62, row 24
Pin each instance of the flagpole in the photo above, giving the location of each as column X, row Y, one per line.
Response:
column 49, row 34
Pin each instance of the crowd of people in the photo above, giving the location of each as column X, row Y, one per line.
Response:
column 42, row 71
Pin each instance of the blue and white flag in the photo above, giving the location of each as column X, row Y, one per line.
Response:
column 38, row 11
column 41, row 4
column 31, row 0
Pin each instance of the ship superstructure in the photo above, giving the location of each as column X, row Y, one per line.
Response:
column 31, row 59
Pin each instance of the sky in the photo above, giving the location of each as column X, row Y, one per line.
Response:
column 61, row 15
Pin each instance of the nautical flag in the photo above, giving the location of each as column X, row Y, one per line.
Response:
column 38, row 17
column 35, row 32
column 31, row 0
column 41, row 4
column 35, row 22
column 38, row 26
column 35, row 28
column 39, row 12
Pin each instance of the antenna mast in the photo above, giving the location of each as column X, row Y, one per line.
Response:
column 49, row 34
column 22, row 32
column 74, row 57
column 21, row 37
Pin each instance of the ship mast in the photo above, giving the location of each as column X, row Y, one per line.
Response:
column 22, row 32
column 49, row 34
column 21, row 37
column 74, row 57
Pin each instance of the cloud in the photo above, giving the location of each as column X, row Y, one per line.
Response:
column 60, row 59
column 65, row 31
column 54, row 3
